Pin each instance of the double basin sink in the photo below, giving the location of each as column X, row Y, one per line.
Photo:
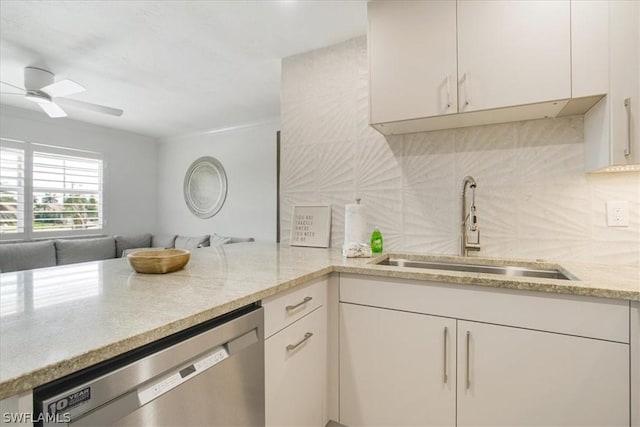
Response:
column 512, row 270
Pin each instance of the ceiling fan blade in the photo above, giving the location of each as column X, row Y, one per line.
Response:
column 11, row 93
column 52, row 110
column 88, row 106
column 14, row 86
column 63, row 88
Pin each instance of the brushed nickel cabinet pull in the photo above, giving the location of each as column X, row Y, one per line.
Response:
column 292, row 347
column 293, row 307
column 465, row 83
column 468, row 385
column 444, row 378
column 627, row 104
column 448, row 92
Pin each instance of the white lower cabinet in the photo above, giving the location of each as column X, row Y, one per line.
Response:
column 295, row 373
column 396, row 368
column 393, row 357
column 517, row 377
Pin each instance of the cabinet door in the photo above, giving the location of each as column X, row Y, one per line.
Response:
column 612, row 127
column 392, row 368
column 509, row 376
column 513, row 53
column 412, row 59
column 295, row 377
column 625, row 82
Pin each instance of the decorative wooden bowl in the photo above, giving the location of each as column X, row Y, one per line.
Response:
column 158, row 261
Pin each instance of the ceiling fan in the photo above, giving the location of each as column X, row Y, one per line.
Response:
column 40, row 87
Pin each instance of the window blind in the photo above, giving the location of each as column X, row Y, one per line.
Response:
column 67, row 192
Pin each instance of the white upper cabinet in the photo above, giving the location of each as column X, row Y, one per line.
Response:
column 612, row 127
column 446, row 64
column 513, row 53
column 412, row 66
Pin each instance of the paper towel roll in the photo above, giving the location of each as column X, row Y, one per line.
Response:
column 355, row 224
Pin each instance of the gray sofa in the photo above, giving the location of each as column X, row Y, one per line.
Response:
column 48, row 253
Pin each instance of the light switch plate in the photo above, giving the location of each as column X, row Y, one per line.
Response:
column 617, row 213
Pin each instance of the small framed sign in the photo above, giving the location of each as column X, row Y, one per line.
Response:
column 310, row 226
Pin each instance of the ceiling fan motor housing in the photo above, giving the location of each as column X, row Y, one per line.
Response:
column 37, row 78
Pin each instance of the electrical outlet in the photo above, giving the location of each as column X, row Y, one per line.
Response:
column 617, row 213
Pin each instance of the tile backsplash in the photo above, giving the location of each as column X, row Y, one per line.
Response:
column 533, row 199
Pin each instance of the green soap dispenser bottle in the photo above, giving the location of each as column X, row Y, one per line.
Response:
column 376, row 241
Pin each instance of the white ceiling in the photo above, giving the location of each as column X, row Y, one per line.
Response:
column 174, row 67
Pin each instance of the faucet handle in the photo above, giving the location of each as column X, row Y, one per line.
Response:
column 473, row 239
column 473, row 219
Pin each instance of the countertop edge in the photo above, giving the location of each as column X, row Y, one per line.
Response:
column 486, row 280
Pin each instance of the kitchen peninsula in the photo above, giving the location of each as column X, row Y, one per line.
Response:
column 59, row 320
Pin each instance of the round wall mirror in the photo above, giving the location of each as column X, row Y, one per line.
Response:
column 205, row 187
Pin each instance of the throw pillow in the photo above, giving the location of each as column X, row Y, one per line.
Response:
column 130, row 242
column 190, row 243
column 218, row 240
column 163, row 240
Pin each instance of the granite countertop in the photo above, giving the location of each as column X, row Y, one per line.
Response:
column 58, row 320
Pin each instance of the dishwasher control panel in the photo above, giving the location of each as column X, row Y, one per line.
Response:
column 170, row 381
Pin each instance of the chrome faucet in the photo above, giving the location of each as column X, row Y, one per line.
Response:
column 469, row 232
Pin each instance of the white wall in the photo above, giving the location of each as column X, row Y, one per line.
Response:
column 249, row 157
column 130, row 177
column 533, row 199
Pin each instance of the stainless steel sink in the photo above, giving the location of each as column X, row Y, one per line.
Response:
column 503, row 270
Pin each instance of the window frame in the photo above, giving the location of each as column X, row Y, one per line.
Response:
column 28, row 233
column 18, row 145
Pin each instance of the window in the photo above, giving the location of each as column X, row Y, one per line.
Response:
column 67, row 192
column 49, row 191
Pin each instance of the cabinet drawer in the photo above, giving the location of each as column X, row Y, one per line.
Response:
column 295, row 359
column 285, row 308
column 599, row 318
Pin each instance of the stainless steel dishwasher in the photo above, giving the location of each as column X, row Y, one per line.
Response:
column 209, row 375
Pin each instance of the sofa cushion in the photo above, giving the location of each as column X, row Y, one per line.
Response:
column 131, row 242
column 27, row 255
column 69, row 251
column 190, row 243
column 163, row 240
